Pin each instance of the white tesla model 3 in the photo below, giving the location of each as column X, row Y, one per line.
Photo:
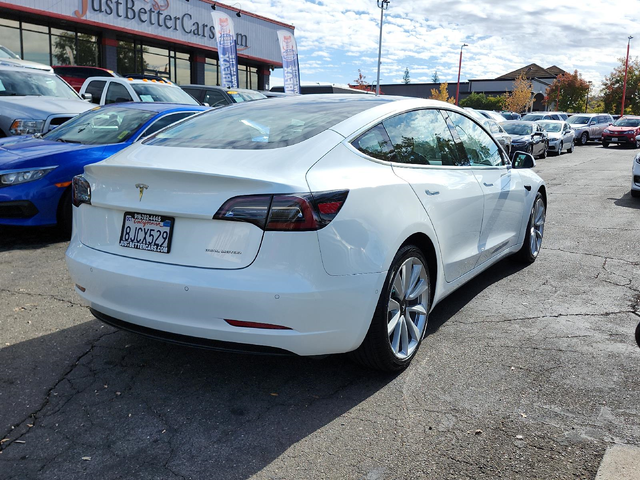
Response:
column 315, row 225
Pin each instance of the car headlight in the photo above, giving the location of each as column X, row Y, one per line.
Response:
column 629, row 132
column 16, row 177
column 22, row 126
column 606, row 130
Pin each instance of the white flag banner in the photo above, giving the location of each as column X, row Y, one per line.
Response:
column 227, row 48
column 289, row 50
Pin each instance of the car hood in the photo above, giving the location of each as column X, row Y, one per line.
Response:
column 579, row 127
column 14, row 62
column 40, row 107
column 26, row 151
column 611, row 128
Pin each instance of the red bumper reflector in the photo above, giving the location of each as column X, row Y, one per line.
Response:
column 267, row 326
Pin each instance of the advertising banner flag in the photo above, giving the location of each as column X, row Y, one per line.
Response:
column 289, row 50
column 227, row 48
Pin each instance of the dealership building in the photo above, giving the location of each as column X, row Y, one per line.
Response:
column 172, row 38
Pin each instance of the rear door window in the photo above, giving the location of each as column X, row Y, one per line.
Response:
column 421, row 137
column 375, row 143
column 117, row 93
column 481, row 149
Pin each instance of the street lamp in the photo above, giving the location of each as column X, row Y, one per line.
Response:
column 626, row 67
column 459, row 70
column 382, row 5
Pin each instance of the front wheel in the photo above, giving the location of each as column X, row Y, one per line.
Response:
column 570, row 150
column 400, row 320
column 605, row 144
column 584, row 138
column 535, row 231
column 65, row 214
column 561, row 148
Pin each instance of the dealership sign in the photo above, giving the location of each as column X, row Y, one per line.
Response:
column 171, row 20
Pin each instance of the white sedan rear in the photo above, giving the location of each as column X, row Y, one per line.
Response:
column 315, row 225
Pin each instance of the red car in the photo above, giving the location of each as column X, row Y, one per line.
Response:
column 624, row 131
column 75, row 75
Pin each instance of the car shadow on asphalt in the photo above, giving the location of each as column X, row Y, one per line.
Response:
column 24, row 238
column 626, row 201
column 452, row 304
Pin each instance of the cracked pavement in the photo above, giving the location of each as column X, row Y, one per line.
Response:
column 526, row 373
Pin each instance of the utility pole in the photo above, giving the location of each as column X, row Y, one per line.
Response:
column 382, row 5
column 459, row 70
column 626, row 67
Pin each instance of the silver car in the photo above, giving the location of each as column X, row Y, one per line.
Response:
column 589, row 126
column 499, row 134
column 560, row 136
column 10, row 59
column 33, row 101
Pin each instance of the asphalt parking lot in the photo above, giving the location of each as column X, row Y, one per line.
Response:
column 526, row 373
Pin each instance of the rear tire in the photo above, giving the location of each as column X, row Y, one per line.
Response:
column 400, row 320
column 635, row 193
column 535, row 231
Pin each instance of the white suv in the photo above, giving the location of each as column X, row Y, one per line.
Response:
column 106, row 90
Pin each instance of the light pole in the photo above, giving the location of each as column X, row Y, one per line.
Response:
column 626, row 67
column 382, row 5
column 586, row 105
column 459, row 70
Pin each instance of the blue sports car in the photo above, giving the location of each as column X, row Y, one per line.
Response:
column 36, row 171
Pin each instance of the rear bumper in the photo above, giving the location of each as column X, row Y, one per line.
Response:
column 288, row 287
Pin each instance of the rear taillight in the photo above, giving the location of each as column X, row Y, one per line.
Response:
column 296, row 211
column 80, row 191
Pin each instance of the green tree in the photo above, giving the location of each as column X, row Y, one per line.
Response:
column 568, row 92
column 435, row 78
column 613, row 84
column 481, row 101
column 406, row 78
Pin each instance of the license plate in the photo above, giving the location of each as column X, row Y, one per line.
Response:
column 614, row 139
column 144, row 231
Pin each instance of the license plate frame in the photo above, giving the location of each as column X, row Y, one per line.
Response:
column 148, row 221
column 614, row 139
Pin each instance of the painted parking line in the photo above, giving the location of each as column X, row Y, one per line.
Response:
column 620, row 462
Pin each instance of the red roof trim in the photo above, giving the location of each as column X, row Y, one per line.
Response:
column 72, row 19
column 249, row 14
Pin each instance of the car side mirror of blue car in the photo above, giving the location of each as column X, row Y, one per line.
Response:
column 523, row 160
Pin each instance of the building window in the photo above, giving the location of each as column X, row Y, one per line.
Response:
column 10, row 35
column 35, row 43
column 211, row 72
column 72, row 48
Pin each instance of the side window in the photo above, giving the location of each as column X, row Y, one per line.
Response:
column 117, row 93
column 480, row 147
column 195, row 93
column 421, row 137
column 375, row 143
column 493, row 127
column 555, row 117
column 165, row 122
column 95, row 88
column 215, row 98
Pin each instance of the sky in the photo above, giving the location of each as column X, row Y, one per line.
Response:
column 337, row 37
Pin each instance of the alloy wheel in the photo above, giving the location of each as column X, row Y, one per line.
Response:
column 407, row 307
column 536, row 225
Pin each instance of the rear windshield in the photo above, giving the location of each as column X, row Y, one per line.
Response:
column 517, row 128
column 148, row 92
column 532, row 118
column 254, row 125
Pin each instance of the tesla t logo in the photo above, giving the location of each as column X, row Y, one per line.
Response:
column 141, row 187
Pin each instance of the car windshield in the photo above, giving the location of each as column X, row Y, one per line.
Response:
column 101, row 126
column 532, row 117
column 250, row 125
column 551, row 127
column 29, row 82
column 627, row 122
column 6, row 53
column 517, row 128
column 149, row 92
column 245, row 96
column 578, row 120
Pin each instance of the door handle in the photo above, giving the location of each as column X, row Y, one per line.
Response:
column 488, row 184
column 429, row 192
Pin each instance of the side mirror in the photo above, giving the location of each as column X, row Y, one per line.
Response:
column 87, row 96
column 523, row 160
